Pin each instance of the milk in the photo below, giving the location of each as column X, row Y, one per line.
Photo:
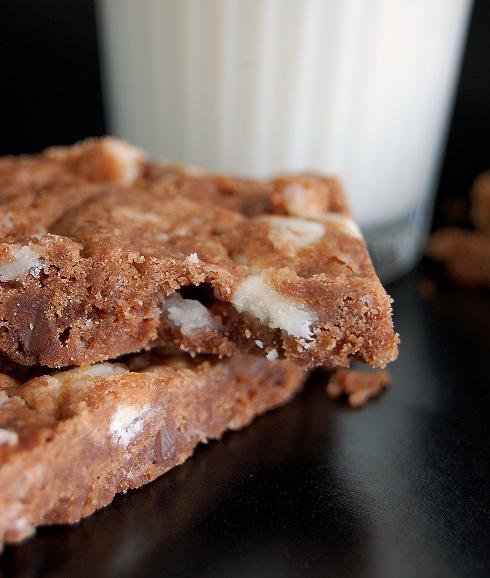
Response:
column 360, row 88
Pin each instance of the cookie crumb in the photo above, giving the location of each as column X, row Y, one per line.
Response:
column 358, row 386
column 465, row 254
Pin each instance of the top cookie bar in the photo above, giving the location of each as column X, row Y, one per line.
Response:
column 103, row 253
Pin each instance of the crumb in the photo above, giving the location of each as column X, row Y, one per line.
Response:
column 466, row 255
column 358, row 386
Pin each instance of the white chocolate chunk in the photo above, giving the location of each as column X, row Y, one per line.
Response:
column 256, row 297
column 345, row 224
column 189, row 315
column 103, row 369
column 293, row 231
column 6, row 222
column 8, row 438
column 21, row 525
column 103, row 158
column 127, row 159
column 23, row 260
column 305, row 201
column 272, row 354
column 192, row 258
column 306, row 344
column 79, row 377
column 13, row 518
column 126, row 213
column 127, row 422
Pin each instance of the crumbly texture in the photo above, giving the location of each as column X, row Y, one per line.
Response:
column 104, row 254
column 480, row 202
column 71, row 440
column 465, row 254
column 37, row 190
column 358, row 386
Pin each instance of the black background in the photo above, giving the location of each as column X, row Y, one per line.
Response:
column 398, row 489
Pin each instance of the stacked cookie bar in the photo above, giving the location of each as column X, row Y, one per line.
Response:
column 147, row 307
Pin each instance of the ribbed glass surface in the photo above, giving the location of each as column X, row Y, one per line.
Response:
column 358, row 87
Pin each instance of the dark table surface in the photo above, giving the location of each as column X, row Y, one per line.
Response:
column 397, row 489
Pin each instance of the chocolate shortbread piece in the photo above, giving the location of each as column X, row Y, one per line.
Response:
column 71, row 440
column 359, row 386
column 465, row 254
column 129, row 255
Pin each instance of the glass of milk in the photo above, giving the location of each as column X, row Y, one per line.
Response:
column 257, row 87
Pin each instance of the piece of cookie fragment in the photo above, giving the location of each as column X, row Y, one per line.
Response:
column 465, row 255
column 71, row 440
column 358, row 386
column 208, row 264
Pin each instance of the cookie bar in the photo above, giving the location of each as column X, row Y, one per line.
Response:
column 104, row 254
column 71, row 440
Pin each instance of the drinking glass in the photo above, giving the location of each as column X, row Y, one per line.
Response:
column 358, row 88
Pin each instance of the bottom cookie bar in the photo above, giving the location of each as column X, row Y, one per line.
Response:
column 70, row 441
